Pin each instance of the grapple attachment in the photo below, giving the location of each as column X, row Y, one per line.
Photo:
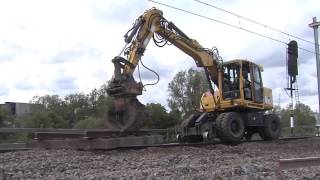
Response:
column 126, row 112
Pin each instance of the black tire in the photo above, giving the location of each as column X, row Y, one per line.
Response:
column 230, row 127
column 271, row 129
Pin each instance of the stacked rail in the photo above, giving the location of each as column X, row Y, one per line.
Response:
column 88, row 139
column 96, row 139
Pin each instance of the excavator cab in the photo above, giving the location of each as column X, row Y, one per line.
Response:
column 242, row 77
column 231, row 81
column 241, row 88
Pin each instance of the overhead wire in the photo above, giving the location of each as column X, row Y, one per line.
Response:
column 227, row 24
column 255, row 22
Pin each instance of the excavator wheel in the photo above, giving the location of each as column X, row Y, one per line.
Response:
column 271, row 129
column 230, row 127
column 132, row 118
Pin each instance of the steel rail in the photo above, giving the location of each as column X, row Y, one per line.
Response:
column 8, row 147
column 298, row 163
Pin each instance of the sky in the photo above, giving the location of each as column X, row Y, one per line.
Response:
column 66, row 46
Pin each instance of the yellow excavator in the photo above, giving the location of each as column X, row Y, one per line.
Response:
column 235, row 106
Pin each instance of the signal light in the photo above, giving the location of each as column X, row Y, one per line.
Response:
column 293, row 58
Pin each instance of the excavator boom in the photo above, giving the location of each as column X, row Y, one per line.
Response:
column 124, row 88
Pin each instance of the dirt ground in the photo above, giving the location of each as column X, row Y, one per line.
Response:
column 255, row 160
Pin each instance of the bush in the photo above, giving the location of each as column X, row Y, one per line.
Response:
column 299, row 131
column 159, row 118
column 15, row 138
column 90, row 122
column 43, row 120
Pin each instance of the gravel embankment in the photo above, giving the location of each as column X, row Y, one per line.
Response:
column 256, row 160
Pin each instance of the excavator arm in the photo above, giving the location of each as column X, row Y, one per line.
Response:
column 151, row 23
column 124, row 88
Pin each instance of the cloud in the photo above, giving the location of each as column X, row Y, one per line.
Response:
column 4, row 90
column 9, row 51
column 275, row 58
column 24, row 85
column 308, row 92
column 76, row 53
column 314, row 74
column 117, row 11
column 64, row 84
column 306, row 57
column 162, row 71
column 305, row 33
column 7, row 57
column 278, row 57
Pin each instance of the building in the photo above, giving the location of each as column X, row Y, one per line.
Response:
column 20, row 109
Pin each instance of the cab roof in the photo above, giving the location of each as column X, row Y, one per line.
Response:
column 238, row 61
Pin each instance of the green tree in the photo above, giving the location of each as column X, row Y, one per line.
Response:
column 303, row 114
column 77, row 106
column 4, row 116
column 159, row 118
column 49, row 102
column 197, row 84
column 99, row 101
column 90, row 122
column 177, row 90
column 185, row 91
column 43, row 119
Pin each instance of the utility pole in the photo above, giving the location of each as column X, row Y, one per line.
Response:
column 315, row 26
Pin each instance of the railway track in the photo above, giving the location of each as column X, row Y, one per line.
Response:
column 175, row 144
column 101, row 139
